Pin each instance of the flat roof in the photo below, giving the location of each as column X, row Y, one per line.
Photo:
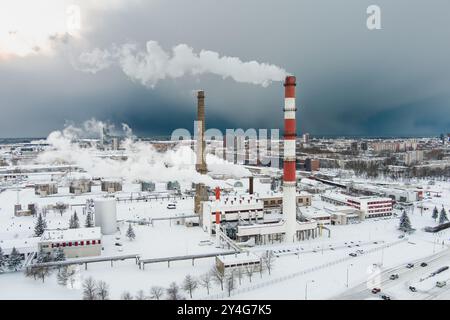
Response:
column 71, row 234
column 239, row 258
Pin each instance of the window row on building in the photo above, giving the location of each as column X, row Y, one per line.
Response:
column 75, row 243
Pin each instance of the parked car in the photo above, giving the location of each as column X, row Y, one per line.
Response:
column 441, row 284
column 352, row 254
column 413, row 289
column 423, row 264
column 410, row 265
column 118, row 244
column 171, row 206
column 385, row 297
column 376, row 290
column 393, row 276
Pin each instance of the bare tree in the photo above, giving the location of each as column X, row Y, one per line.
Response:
column 71, row 276
column 126, row 296
column 31, row 272
column 205, row 281
column 218, row 275
column 240, row 274
column 268, row 260
column 249, row 271
column 230, row 282
column 89, row 289
column 190, row 284
column 140, row 295
column 61, row 207
column 156, row 292
column 102, row 290
column 173, row 292
column 43, row 272
column 62, row 276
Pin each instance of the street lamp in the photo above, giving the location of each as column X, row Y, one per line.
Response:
column 306, row 288
column 348, row 267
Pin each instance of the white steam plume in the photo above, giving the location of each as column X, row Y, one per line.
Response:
column 142, row 161
column 154, row 64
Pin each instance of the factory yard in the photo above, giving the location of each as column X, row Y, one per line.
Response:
column 323, row 260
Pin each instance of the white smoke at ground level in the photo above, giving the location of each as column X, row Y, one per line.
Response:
column 153, row 64
column 141, row 160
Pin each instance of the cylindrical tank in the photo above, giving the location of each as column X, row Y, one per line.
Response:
column 106, row 215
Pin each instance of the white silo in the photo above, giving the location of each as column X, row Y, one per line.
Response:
column 106, row 215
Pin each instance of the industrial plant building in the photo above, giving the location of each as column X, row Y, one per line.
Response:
column 79, row 182
column 76, row 243
column 275, row 200
column 239, row 260
column 370, row 206
column 45, row 188
column 148, row 186
column 231, row 209
column 111, row 186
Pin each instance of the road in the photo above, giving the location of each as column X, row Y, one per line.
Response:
column 399, row 288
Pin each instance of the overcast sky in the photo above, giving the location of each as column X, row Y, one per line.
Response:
column 351, row 80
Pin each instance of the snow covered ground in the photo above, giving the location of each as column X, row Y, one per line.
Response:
column 325, row 261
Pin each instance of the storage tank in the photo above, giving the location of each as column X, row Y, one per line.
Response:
column 106, row 215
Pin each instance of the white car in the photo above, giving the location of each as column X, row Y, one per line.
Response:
column 171, row 206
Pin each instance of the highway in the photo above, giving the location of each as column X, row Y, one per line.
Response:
column 399, row 288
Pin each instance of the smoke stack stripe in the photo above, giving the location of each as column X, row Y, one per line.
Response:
column 289, row 160
column 217, row 226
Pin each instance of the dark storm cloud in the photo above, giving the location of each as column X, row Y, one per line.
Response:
column 352, row 81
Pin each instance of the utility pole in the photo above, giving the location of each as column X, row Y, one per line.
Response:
column 306, row 288
column 348, row 267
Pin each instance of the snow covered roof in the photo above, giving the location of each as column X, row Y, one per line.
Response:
column 344, row 198
column 23, row 245
column 76, row 175
column 239, row 258
column 71, row 234
column 44, row 183
column 237, row 202
column 270, row 195
column 312, row 212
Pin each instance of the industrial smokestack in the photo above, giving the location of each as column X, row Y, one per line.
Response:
column 200, row 165
column 289, row 160
column 250, row 185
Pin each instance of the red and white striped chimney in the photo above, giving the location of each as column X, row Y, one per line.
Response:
column 289, row 160
column 217, row 225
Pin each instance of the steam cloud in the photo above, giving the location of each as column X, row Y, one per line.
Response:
column 143, row 161
column 154, row 64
